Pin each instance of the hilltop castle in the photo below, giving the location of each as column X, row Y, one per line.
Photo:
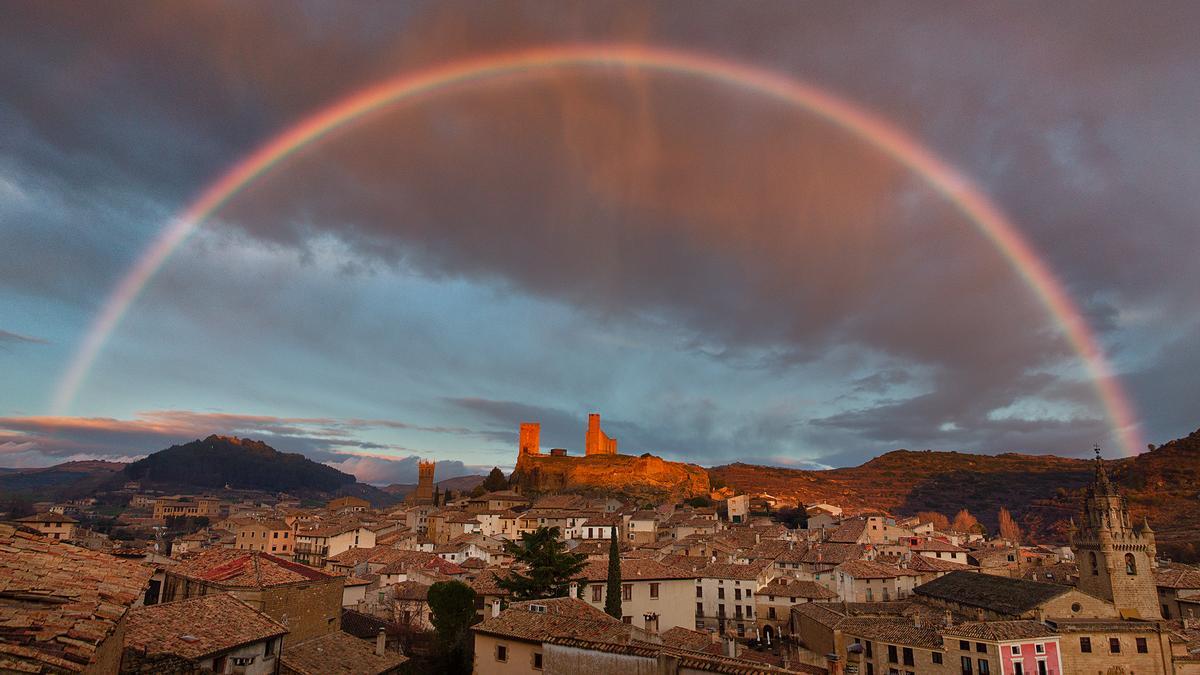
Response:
column 595, row 441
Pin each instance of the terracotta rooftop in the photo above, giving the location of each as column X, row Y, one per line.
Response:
column 538, row 620
column 59, row 602
column 691, row 640
column 239, row 568
column 198, row 627
column 793, row 588
column 868, row 569
column 338, row 653
column 923, row 563
column 47, row 518
column 1000, row 631
column 999, row 594
column 1177, row 576
column 638, row 569
column 935, row 545
column 899, row 631
column 732, row 571
column 849, row 531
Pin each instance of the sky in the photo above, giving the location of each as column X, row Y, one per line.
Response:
column 722, row 276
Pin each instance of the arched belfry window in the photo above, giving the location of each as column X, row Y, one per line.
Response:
column 1094, row 566
column 1130, row 564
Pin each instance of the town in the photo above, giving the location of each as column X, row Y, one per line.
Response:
column 496, row 581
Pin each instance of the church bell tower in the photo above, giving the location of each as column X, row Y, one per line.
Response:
column 1116, row 560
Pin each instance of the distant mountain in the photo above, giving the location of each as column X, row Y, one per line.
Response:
column 219, row 461
column 1042, row 491
column 457, row 484
column 50, row 482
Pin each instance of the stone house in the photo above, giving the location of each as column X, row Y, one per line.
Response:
column 269, row 536
column 53, row 525
column 212, row 633
column 316, row 544
column 652, row 594
column 307, row 601
column 726, row 596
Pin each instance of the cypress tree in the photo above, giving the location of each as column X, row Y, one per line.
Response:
column 612, row 603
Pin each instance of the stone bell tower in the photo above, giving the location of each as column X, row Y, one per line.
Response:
column 1116, row 560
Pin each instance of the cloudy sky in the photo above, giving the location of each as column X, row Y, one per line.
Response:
column 722, row 276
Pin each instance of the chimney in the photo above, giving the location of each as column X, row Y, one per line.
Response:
column 730, row 647
column 980, row 614
column 918, row 620
column 380, row 642
column 496, row 608
column 949, row 621
column 715, row 637
column 651, row 619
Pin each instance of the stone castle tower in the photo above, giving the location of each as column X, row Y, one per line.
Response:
column 1116, row 560
column 596, row 442
column 530, row 443
column 424, row 492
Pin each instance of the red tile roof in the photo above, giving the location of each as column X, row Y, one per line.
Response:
column 198, row 627
column 59, row 602
column 239, row 568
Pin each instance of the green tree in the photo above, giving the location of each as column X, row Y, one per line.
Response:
column 612, row 603
column 452, row 604
column 495, row 480
column 548, row 567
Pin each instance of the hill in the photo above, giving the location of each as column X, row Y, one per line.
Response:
column 1042, row 491
column 641, row 476
column 219, row 461
column 52, row 481
column 458, row 484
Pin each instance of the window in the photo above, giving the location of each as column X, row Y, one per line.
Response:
column 597, row 593
column 937, row 657
column 741, row 630
column 1114, row 645
column 1042, row 667
column 501, row 653
column 737, row 594
column 749, row 611
column 980, row 647
column 869, row 651
column 699, row 609
column 770, row 612
column 626, row 591
column 908, row 656
column 1018, row 668
column 270, row 649
column 737, row 611
column 1085, row 645
column 537, row 660
column 627, row 619
column 1015, row 650
column 1130, row 564
column 653, row 590
column 720, row 593
column 870, row 669
column 1092, row 563
column 892, row 654
column 984, row 668
column 966, row 665
column 721, row 611
column 1141, row 645
column 219, row 664
column 964, row 645
column 1039, row 648
column 274, row 535
column 699, row 591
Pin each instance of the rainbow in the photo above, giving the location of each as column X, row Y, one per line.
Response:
column 951, row 184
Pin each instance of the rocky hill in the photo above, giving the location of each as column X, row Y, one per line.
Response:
column 1042, row 491
column 219, row 461
column 643, row 476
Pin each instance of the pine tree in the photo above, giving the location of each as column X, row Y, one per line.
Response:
column 612, row 601
column 495, row 481
column 547, row 567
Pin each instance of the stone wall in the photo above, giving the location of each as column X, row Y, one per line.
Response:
column 308, row 610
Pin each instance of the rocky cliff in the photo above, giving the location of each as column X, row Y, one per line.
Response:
column 646, row 475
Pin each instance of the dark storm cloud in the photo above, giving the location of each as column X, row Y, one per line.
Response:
column 757, row 228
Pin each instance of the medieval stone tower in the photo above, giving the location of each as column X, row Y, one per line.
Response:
column 424, row 493
column 1116, row 560
column 596, row 442
column 530, row 443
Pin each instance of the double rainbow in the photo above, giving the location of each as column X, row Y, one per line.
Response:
column 955, row 187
